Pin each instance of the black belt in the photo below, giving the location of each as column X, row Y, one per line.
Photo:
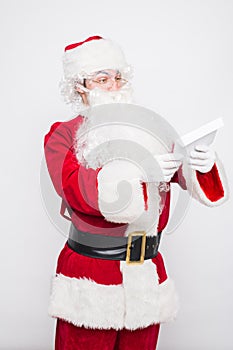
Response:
column 134, row 248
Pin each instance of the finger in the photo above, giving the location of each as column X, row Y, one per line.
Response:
column 171, row 165
column 167, row 178
column 167, row 157
column 195, row 167
column 171, row 170
column 202, row 148
column 168, row 173
column 199, row 155
column 199, row 162
column 202, row 169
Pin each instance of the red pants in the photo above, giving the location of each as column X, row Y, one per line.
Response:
column 70, row 337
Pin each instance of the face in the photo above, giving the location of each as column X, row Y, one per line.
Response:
column 105, row 80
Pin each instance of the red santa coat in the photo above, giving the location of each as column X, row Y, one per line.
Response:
column 103, row 294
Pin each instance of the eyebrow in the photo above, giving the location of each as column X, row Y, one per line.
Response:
column 102, row 72
column 106, row 73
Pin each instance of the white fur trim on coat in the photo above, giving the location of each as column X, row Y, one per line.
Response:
column 138, row 302
column 148, row 221
column 121, row 198
column 84, row 302
column 147, row 302
column 195, row 189
column 120, row 192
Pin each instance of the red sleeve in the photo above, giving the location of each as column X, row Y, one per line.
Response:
column 76, row 184
column 211, row 184
column 158, row 260
column 203, row 186
column 179, row 178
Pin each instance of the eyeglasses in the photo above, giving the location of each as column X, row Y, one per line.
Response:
column 107, row 80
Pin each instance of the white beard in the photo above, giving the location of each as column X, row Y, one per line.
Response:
column 98, row 96
column 88, row 139
column 95, row 144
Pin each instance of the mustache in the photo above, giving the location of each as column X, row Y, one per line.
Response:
column 98, row 96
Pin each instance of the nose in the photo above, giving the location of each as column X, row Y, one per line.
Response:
column 115, row 85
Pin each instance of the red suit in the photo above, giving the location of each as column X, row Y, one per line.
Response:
column 104, row 294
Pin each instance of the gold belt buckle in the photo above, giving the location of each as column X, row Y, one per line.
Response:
column 143, row 247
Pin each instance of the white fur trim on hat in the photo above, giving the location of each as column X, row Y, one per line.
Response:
column 93, row 56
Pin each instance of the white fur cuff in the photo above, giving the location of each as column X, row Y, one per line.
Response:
column 120, row 191
column 195, row 189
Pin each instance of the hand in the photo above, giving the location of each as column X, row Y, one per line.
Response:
column 202, row 158
column 162, row 167
column 169, row 164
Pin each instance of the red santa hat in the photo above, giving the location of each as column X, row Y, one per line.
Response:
column 91, row 55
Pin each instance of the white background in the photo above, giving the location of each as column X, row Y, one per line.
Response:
column 182, row 56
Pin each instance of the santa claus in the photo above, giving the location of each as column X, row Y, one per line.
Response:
column 111, row 290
